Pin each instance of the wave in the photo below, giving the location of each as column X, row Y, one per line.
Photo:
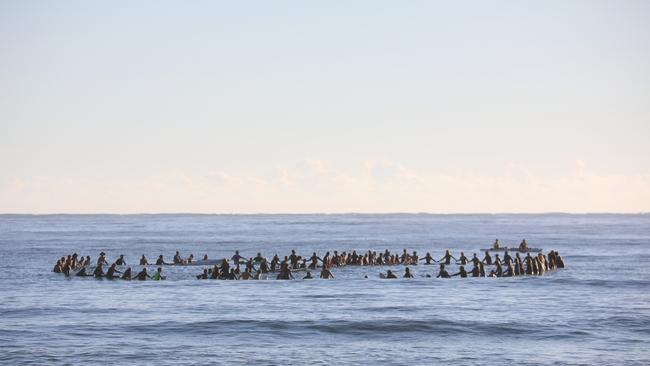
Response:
column 380, row 328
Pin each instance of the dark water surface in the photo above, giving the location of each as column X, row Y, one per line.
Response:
column 597, row 311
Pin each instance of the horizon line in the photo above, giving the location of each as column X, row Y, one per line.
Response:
column 316, row 213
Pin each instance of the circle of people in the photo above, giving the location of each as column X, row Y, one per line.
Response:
column 258, row 267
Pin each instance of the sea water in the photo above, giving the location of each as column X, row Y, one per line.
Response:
column 596, row 311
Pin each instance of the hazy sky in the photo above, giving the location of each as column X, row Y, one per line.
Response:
column 331, row 106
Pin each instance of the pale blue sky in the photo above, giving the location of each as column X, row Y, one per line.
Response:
column 293, row 106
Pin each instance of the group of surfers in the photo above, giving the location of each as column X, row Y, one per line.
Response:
column 79, row 266
column 258, row 267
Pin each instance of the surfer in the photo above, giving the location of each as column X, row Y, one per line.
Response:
column 496, row 245
column 326, row 273
column 203, row 276
column 98, row 273
column 487, row 259
column 57, row 267
column 258, row 258
column 236, row 258
column 476, row 272
column 389, row 274
column 428, row 258
column 247, row 275
column 506, row 257
column 308, row 276
column 463, row 259
column 407, row 273
column 443, row 272
column 144, row 261
column 112, row 270
column 523, row 247
column 177, row 258
column 127, row 274
column 314, row 261
column 83, row 273
column 102, row 259
column 158, row 275
column 121, row 261
column 461, row 272
column 161, row 260
column 447, row 257
column 143, row 275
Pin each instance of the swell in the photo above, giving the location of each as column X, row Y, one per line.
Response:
column 376, row 328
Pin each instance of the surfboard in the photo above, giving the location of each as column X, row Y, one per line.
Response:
column 529, row 250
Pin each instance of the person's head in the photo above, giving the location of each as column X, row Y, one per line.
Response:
column 159, row 269
column 121, row 255
column 177, row 252
column 407, row 270
column 442, row 266
column 160, row 256
column 143, row 256
column 462, row 268
column 389, row 272
column 113, row 265
column 474, row 255
column 236, row 251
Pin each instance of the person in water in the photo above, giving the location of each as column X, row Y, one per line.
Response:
column 203, row 276
column 428, row 259
column 161, row 261
column 143, row 275
column 237, row 258
column 127, row 274
column 144, row 261
column 83, row 273
column 308, row 276
column 496, row 245
column 447, row 257
column 157, row 276
column 523, row 246
column 461, row 272
column 98, row 273
column 407, row 273
column 443, row 272
column 121, row 261
column 487, row 259
column 102, row 259
column 476, row 271
column 390, row 274
column 463, row 259
column 326, row 273
column 112, row 270
column 177, row 258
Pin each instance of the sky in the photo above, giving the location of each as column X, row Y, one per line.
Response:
column 330, row 106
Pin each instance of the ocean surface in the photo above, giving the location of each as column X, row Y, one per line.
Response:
column 596, row 311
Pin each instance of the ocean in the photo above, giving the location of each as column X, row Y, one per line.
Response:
column 595, row 311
